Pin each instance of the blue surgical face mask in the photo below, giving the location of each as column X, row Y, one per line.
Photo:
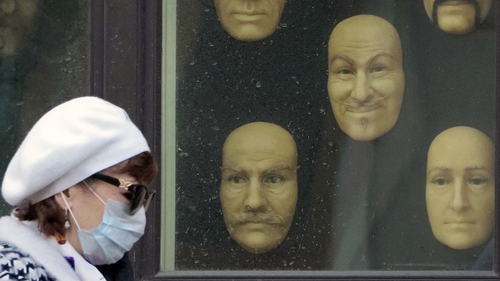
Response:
column 115, row 235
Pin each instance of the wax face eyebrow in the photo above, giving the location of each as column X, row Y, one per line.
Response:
column 342, row 57
column 477, row 168
column 352, row 62
column 276, row 169
column 235, row 170
column 383, row 54
column 271, row 170
column 467, row 169
column 445, row 169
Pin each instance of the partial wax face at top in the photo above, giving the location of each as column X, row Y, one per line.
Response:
column 460, row 189
column 366, row 79
column 249, row 20
column 259, row 185
column 17, row 24
column 457, row 16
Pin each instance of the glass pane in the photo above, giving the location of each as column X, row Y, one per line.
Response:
column 44, row 60
column 363, row 105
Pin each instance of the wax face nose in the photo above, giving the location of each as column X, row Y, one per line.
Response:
column 361, row 89
column 255, row 199
column 460, row 199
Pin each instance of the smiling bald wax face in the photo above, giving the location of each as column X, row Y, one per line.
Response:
column 366, row 78
column 457, row 16
column 258, row 190
column 460, row 188
column 249, row 20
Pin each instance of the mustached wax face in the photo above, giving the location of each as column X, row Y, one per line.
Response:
column 457, row 16
column 460, row 189
column 259, row 185
column 249, row 20
column 17, row 24
column 366, row 78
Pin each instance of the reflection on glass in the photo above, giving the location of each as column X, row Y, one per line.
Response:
column 460, row 190
column 18, row 19
column 366, row 79
column 457, row 17
column 258, row 190
column 43, row 51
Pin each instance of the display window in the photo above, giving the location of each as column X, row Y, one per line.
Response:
column 389, row 105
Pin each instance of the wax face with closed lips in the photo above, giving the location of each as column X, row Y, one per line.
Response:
column 366, row 78
column 259, row 185
column 249, row 20
column 457, row 16
column 17, row 24
column 460, row 188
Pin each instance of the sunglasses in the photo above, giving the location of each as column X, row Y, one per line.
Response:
column 141, row 196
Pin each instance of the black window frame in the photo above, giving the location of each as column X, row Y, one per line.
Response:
column 125, row 69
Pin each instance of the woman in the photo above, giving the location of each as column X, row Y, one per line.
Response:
column 78, row 180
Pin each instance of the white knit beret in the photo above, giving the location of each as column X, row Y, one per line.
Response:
column 67, row 145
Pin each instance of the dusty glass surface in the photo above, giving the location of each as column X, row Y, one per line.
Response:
column 44, row 60
column 361, row 203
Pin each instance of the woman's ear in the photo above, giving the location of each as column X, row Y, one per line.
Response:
column 68, row 194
